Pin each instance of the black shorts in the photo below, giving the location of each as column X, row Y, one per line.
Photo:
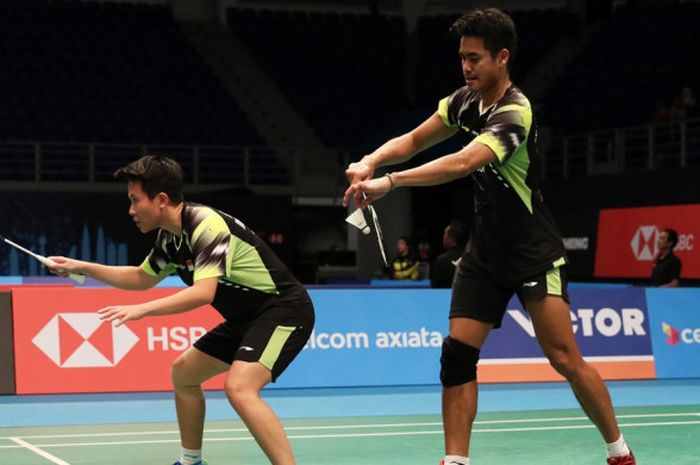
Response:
column 273, row 339
column 479, row 295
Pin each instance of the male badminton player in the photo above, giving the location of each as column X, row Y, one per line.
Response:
column 515, row 246
column 268, row 315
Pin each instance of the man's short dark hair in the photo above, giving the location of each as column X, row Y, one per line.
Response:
column 156, row 174
column 672, row 236
column 495, row 27
column 458, row 231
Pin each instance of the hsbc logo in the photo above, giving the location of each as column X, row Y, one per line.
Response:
column 643, row 243
column 82, row 340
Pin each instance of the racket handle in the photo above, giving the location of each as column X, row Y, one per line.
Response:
column 78, row 278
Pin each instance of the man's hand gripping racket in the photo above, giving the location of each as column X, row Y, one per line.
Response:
column 357, row 219
column 365, row 192
column 78, row 278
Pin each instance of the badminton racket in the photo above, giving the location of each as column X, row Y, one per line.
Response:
column 78, row 278
column 377, row 230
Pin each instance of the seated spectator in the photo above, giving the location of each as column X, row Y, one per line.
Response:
column 405, row 265
column 443, row 269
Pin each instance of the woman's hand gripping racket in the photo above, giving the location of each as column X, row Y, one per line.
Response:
column 78, row 278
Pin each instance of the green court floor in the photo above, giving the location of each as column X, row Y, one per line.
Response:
column 668, row 435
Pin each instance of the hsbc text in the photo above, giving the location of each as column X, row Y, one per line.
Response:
column 685, row 242
column 178, row 338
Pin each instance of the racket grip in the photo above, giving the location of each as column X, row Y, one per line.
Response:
column 78, row 278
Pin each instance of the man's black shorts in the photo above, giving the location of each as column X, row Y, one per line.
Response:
column 273, row 339
column 479, row 295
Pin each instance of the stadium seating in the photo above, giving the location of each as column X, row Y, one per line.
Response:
column 634, row 59
column 439, row 72
column 343, row 72
column 108, row 72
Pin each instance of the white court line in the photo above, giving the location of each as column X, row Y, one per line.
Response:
column 359, row 435
column 545, row 361
column 542, row 420
column 36, row 450
column 354, row 426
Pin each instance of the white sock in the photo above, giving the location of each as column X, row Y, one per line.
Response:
column 456, row 460
column 617, row 448
column 190, row 456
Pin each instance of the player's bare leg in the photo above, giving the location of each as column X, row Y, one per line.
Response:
column 552, row 323
column 459, row 403
column 188, row 373
column 243, row 384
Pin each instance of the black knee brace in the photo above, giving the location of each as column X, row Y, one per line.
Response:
column 458, row 362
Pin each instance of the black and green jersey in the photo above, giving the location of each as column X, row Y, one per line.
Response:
column 514, row 234
column 214, row 244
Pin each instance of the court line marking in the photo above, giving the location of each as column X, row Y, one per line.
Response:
column 359, row 435
column 36, row 450
column 545, row 361
column 356, row 426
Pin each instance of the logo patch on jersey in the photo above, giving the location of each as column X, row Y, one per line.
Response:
column 246, row 348
column 190, row 265
column 530, row 284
